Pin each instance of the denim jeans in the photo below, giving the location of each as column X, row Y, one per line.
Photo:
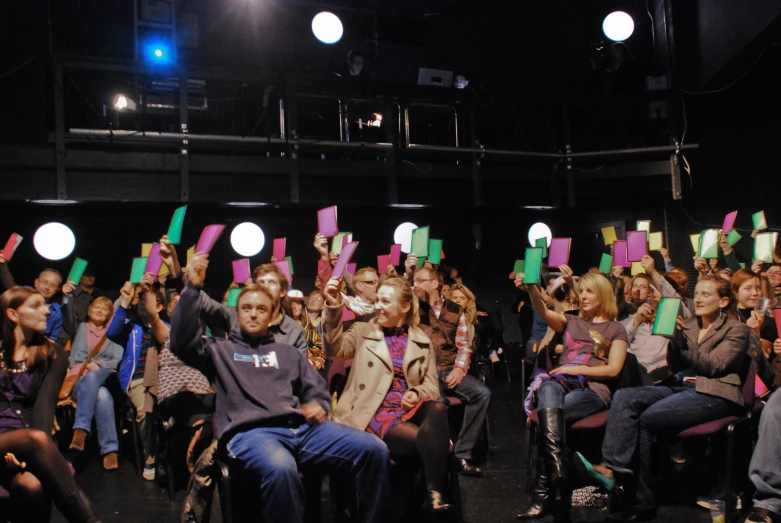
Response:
column 577, row 404
column 94, row 401
column 765, row 468
column 272, row 457
column 477, row 398
column 639, row 412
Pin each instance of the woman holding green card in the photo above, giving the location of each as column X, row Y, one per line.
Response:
column 594, row 353
column 709, row 352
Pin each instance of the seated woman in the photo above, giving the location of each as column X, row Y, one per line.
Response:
column 594, row 353
column 461, row 295
column 393, row 388
column 94, row 401
column 32, row 369
column 711, row 347
column 313, row 340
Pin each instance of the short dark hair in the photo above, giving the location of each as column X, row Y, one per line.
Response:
column 355, row 53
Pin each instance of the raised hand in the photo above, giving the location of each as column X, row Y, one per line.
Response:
column 701, row 265
column 321, row 245
column 126, row 294
column 68, row 288
column 331, row 292
column 648, row 264
column 410, row 264
column 196, row 272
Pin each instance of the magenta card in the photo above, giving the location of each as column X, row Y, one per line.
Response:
column 347, row 314
column 344, row 259
column 620, row 254
column 241, row 270
column 729, row 222
column 382, row 263
column 326, row 222
column 279, row 248
column 352, row 267
column 209, row 236
column 154, row 262
column 284, row 266
column 11, row 245
column 636, row 245
column 558, row 253
column 395, row 255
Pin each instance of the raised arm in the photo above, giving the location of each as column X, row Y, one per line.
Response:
column 337, row 344
column 6, row 279
column 556, row 321
column 186, row 341
column 160, row 329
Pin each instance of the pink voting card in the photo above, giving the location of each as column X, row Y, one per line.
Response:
column 620, row 254
column 777, row 317
column 636, row 245
column 284, row 266
column 154, row 262
column 352, row 267
column 326, row 222
column 11, row 245
column 729, row 222
column 241, row 270
column 347, row 314
column 209, row 236
column 558, row 254
column 395, row 254
column 382, row 263
column 344, row 259
column 279, row 248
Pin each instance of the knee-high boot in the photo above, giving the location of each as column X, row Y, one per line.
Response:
column 540, row 506
column 551, row 433
column 77, row 508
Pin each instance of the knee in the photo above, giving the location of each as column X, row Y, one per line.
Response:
column 483, row 393
column 39, row 439
column 27, row 485
column 105, row 397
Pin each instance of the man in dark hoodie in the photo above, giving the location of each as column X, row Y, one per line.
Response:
column 271, row 407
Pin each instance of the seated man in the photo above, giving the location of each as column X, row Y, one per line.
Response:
column 764, row 468
column 271, row 408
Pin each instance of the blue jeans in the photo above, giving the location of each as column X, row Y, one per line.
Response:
column 477, row 398
column 95, row 402
column 765, row 468
column 638, row 412
column 272, row 457
column 577, row 404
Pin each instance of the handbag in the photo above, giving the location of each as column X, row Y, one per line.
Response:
column 70, row 380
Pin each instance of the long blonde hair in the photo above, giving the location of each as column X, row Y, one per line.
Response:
column 405, row 296
column 603, row 290
column 470, row 311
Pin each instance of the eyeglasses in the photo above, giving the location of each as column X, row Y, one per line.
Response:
column 418, row 281
column 48, row 284
column 370, row 282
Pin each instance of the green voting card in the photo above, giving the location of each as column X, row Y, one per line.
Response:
column 421, row 261
column 137, row 272
column 666, row 317
column 435, row 251
column 233, row 297
column 709, row 244
column 518, row 268
column 177, row 222
column 733, row 237
column 420, row 242
column 339, row 241
column 764, row 246
column 532, row 265
column 77, row 271
column 760, row 223
column 606, row 264
column 290, row 261
column 542, row 243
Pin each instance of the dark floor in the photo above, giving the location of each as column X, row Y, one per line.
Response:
column 123, row 497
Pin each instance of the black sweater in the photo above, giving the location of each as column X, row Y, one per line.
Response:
column 259, row 382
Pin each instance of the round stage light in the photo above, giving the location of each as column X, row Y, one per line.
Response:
column 327, row 27
column 54, row 241
column 247, row 239
column 159, row 53
column 618, row 26
column 121, row 102
column 539, row 230
column 403, row 235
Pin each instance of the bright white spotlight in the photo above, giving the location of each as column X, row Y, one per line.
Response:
column 539, row 230
column 159, row 53
column 618, row 26
column 247, row 239
column 403, row 235
column 327, row 27
column 54, row 241
column 123, row 103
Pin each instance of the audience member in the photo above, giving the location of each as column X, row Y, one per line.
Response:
column 48, row 284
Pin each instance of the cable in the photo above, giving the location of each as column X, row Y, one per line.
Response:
column 21, row 66
column 653, row 29
column 733, row 82
column 418, row 168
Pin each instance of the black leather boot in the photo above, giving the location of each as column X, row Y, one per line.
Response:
column 551, row 433
column 540, row 506
column 77, row 508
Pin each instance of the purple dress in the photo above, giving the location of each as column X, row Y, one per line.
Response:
column 391, row 413
column 15, row 387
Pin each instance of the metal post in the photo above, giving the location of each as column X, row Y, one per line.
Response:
column 455, row 114
column 406, row 127
column 282, row 117
column 59, row 130
column 184, row 151
column 341, row 120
